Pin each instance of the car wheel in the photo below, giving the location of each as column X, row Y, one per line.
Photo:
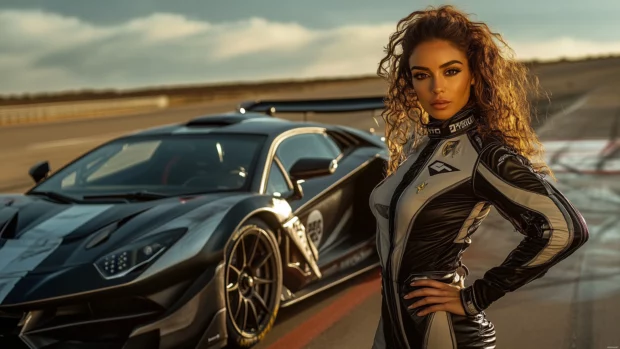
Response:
column 253, row 278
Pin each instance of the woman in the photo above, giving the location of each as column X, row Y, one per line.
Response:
column 458, row 129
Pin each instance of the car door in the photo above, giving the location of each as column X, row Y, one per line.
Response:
column 319, row 209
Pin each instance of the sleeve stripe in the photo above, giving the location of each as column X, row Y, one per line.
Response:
column 561, row 234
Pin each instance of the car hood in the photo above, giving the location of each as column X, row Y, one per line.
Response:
column 39, row 235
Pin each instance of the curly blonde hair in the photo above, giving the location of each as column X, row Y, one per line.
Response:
column 500, row 91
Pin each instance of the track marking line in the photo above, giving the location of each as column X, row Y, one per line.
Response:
column 303, row 334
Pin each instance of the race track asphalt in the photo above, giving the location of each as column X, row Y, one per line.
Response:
column 574, row 306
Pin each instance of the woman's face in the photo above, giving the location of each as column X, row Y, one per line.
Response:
column 441, row 78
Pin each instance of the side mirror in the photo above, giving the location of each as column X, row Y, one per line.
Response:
column 39, row 171
column 298, row 192
column 307, row 168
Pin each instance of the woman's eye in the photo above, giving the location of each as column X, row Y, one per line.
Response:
column 452, row 71
column 419, row 76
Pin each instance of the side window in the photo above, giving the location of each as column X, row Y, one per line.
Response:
column 331, row 143
column 276, row 183
column 306, row 145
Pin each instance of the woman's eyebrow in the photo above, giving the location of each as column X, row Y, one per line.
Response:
column 441, row 66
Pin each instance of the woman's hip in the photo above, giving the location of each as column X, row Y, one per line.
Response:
column 444, row 330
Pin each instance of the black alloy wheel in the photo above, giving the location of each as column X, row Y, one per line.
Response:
column 253, row 283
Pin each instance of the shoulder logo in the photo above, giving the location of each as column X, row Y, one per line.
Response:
column 478, row 141
column 438, row 167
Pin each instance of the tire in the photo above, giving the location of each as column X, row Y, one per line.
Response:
column 253, row 285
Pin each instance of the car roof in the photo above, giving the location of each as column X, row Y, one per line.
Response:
column 249, row 123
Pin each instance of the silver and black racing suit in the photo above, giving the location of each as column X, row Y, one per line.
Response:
column 430, row 206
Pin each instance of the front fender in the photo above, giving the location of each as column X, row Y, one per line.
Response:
column 294, row 242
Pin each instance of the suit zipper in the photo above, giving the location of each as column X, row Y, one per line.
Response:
column 388, row 284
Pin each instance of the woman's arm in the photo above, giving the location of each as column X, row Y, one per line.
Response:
column 553, row 228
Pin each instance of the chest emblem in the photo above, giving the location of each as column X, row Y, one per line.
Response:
column 421, row 187
column 438, row 167
column 450, row 148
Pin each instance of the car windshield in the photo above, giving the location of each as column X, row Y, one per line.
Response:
column 168, row 165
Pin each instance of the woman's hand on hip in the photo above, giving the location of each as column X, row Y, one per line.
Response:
column 438, row 295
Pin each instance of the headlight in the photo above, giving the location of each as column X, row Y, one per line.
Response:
column 128, row 258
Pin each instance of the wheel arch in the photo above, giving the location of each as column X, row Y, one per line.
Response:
column 296, row 268
column 271, row 220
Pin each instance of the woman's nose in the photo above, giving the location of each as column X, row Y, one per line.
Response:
column 438, row 86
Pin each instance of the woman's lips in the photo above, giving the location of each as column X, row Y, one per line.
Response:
column 440, row 105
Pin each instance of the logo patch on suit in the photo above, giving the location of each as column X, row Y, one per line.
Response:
column 421, row 187
column 434, row 131
column 450, row 147
column 438, row 167
column 461, row 124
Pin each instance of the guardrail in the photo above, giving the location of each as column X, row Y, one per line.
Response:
column 36, row 113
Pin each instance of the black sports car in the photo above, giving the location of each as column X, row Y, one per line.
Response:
column 190, row 235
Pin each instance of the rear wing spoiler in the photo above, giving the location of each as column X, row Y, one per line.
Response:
column 333, row 105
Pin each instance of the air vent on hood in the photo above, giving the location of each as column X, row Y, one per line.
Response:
column 222, row 120
column 104, row 233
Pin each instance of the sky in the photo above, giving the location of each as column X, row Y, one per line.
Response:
column 59, row 45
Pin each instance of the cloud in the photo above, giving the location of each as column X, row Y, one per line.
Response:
column 563, row 47
column 43, row 51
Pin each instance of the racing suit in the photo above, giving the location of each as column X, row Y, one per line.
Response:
column 426, row 212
